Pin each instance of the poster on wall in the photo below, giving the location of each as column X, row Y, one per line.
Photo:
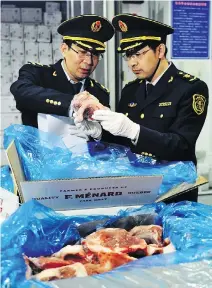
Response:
column 191, row 21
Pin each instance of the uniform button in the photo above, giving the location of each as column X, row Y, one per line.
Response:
column 51, row 101
column 161, row 115
column 55, row 102
column 59, row 103
column 47, row 100
column 126, row 114
column 142, row 116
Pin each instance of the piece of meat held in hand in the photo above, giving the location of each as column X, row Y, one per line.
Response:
column 152, row 234
column 84, row 104
column 87, row 108
column 114, row 240
column 70, row 271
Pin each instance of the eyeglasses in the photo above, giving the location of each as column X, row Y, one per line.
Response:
column 135, row 56
column 83, row 54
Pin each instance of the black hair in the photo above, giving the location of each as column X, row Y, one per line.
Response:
column 154, row 44
column 68, row 43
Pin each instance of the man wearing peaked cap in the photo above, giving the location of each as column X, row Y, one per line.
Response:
column 161, row 113
column 44, row 93
column 89, row 31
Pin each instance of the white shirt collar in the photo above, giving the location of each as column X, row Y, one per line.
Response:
column 157, row 79
column 69, row 78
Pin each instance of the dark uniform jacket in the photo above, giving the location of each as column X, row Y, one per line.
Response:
column 170, row 118
column 46, row 89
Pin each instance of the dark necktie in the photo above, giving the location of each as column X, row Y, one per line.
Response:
column 77, row 87
column 149, row 88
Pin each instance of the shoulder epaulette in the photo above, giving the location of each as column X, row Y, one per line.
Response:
column 132, row 82
column 102, row 87
column 39, row 64
column 187, row 77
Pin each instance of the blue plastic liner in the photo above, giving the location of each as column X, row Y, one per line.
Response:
column 37, row 230
column 6, row 179
column 45, row 157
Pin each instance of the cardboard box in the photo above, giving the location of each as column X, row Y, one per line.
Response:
column 17, row 49
column 52, row 19
column 52, row 7
column 44, row 34
column 91, row 192
column 5, row 31
column 6, row 81
column 56, row 51
column 31, row 15
column 5, row 49
column 16, row 63
column 30, row 33
column 16, row 31
column 45, row 53
column 31, row 52
column 56, row 37
column 11, row 15
column 84, row 193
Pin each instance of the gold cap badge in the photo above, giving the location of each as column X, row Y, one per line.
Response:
column 96, row 26
column 123, row 26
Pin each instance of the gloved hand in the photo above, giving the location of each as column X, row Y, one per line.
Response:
column 75, row 131
column 117, row 123
column 90, row 128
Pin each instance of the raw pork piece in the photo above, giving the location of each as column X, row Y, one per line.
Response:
column 70, row 271
column 114, row 240
column 152, row 234
column 66, row 256
column 107, row 262
column 47, row 262
column 71, row 252
column 153, row 249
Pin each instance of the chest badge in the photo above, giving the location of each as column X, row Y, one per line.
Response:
column 132, row 104
column 198, row 103
column 54, row 73
column 165, row 104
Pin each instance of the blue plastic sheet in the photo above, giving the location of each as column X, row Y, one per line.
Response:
column 6, row 179
column 37, row 230
column 45, row 157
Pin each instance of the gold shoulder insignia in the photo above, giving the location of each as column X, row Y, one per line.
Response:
column 102, row 87
column 198, row 103
column 133, row 81
column 187, row 77
column 39, row 64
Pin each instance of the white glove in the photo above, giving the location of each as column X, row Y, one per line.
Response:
column 90, row 128
column 117, row 123
column 75, row 131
